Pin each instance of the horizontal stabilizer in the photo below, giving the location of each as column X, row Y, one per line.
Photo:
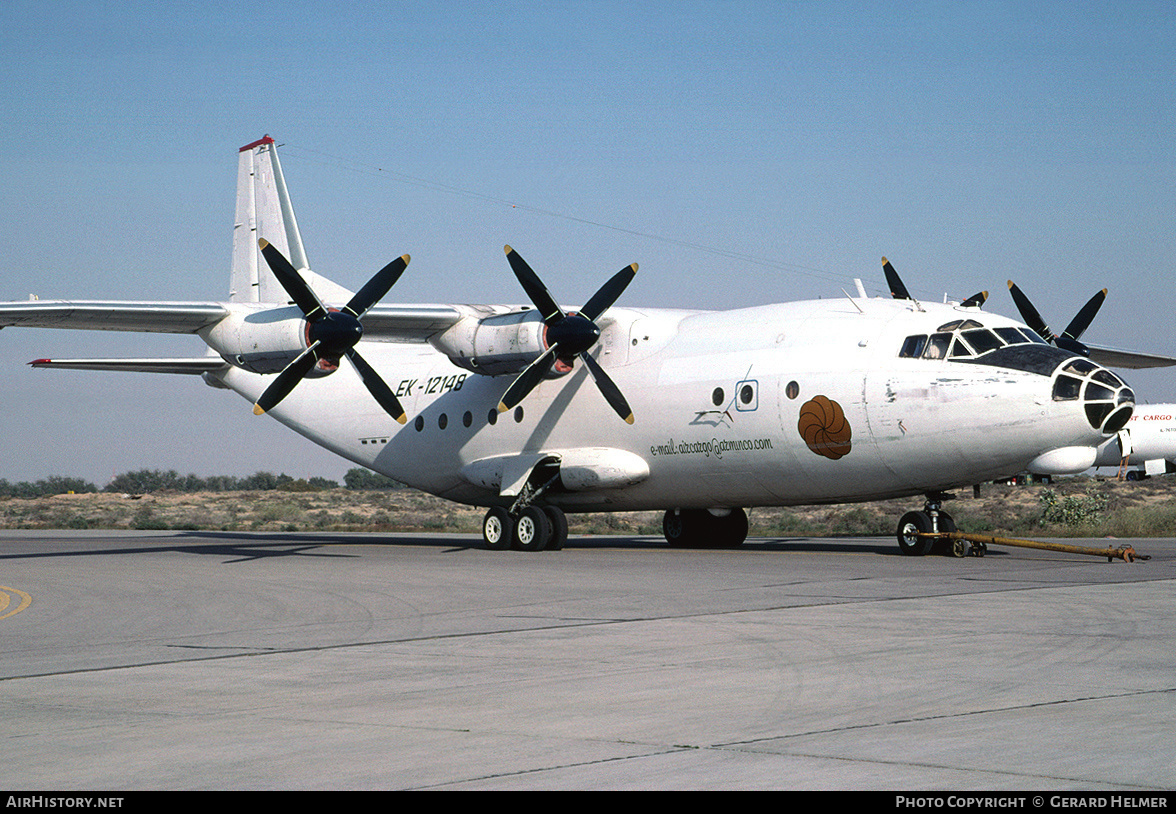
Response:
column 203, row 364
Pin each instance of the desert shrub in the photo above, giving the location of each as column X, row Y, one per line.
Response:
column 1072, row 510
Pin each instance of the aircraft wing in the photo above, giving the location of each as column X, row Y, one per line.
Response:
column 193, row 366
column 382, row 322
column 99, row 315
column 1128, row 359
column 407, row 322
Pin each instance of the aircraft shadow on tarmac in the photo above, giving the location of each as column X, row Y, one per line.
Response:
column 248, row 546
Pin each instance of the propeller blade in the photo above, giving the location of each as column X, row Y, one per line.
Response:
column 1084, row 317
column 897, row 289
column 534, row 287
column 374, row 289
column 603, row 299
column 287, row 380
column 376, row 386
column 292, row 281
column 527, row 380
column 976, row 300
column 608, row 389
column 1030, row 315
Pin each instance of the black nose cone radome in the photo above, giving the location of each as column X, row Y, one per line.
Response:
column 1107, row 401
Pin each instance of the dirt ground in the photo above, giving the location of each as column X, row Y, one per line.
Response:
column 1102, row 507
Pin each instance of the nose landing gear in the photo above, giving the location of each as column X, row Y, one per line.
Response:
column 913, row 527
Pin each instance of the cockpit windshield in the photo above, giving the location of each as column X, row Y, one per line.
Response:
column 965, row 339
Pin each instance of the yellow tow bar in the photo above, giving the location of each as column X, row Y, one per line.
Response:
column 980, row 542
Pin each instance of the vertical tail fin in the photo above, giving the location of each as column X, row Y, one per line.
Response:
column 264, row 211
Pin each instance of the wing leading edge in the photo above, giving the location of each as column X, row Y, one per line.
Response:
column 102, row 315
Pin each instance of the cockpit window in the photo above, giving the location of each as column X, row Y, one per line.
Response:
column 959, row 349
column 959, row 325
column 965, row 339
column 912, row 347
column 982, row 340
column 937, row 346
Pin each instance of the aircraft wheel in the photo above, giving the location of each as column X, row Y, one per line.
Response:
column 559, row 528
column 943, row 546
column 913, row 523
column 496, row 529
column 680, row 527
column 532, row 529
column 732, row 529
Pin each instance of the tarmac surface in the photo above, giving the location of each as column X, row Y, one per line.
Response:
column 195, row 660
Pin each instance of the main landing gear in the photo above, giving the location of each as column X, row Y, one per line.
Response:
column 534, row 528
column 932, row 520
column 705, row 528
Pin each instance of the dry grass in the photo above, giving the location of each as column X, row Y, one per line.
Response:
column 1138, row 509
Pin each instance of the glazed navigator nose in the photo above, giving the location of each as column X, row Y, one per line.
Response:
column 1107, row 401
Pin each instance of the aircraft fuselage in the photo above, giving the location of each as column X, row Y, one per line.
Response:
column 797, row 403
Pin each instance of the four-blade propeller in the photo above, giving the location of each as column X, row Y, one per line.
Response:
column 899, row 291
column 567, row 335
column 330, row 333
column 1068, row 340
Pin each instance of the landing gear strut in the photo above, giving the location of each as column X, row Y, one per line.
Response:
column 932, row 520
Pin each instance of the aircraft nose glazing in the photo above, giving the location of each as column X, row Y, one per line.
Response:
column 1106, row 400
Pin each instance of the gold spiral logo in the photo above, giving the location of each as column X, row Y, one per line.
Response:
column 824, row 428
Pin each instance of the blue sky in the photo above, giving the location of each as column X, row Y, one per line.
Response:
column 740, row 152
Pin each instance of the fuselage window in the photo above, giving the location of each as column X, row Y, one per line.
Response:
column 442, row 421
column 467, row 419
column 419, row 423
column 492, row 417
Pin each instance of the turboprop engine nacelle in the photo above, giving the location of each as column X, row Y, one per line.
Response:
column 494, row 345
column 262, row 341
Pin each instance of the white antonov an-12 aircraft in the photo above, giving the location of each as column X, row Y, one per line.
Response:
column 537, row 411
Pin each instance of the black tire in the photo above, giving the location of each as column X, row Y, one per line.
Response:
column 559, row 528
column 732, row 529
column 913, row 523
column 497, row 529
column 680, row 528
column 532, row 529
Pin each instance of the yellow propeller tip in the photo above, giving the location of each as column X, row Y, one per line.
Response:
column 262, row 243
column 402, row 418
column 257, row 409
column 629, row 419
column 508, row 249
column 502, row 408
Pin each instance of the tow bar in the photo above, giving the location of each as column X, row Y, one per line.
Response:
column 963, row 544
